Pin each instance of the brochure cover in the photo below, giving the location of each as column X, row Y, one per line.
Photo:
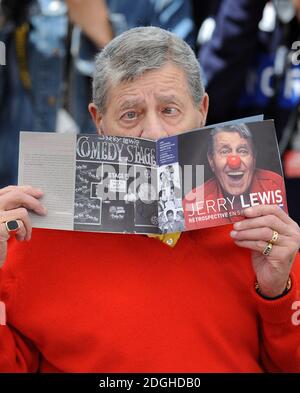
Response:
column 196, row 179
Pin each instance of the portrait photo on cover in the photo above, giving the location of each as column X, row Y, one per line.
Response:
column 242, row 168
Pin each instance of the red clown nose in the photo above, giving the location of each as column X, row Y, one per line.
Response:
column 233, row 161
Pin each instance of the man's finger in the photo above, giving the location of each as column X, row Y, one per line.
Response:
column 35, row 192
column 20, row 214
column 263, row 210
column 270, row 221
column 16, row 198
column 5, row 235
column 278, row 252
column 3, row 251
column 20, row 233
column 264, row 234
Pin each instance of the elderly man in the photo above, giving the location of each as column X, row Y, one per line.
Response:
column 106, row 302
column 232, row 157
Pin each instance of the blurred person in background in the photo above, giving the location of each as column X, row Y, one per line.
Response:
column 34, row 33
column 46, row 41
column 251, row 67
column 204, row 19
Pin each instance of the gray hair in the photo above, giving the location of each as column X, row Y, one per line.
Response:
column 142, row 49
column 241, row 129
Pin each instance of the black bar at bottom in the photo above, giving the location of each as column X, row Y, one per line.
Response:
column 145, row 382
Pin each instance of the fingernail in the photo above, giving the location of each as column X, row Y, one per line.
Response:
column 236, row 225
column 42, row 210
column 233, row 233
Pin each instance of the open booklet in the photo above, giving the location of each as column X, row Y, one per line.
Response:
column 196, row 179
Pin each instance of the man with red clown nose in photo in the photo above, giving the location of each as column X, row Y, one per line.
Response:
column 236, row 184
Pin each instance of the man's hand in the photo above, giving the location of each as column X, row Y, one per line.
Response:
column 255, row 232
column 92, row 17
column 14, row 202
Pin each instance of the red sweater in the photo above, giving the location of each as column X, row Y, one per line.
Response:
column 88, row 302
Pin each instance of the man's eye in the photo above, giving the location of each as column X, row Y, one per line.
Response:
column 131, row 115
column 170, row 111
column 243, row 152
column 224, row 152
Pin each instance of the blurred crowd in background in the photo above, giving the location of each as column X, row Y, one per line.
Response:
column 249, row 52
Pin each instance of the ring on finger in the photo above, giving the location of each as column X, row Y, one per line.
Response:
column 274, row 238
column 267, row 250
column 12, row 226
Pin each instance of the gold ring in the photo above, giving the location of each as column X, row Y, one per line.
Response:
column 268, row 249
column 274, row 238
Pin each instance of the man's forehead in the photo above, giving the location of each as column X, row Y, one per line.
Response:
column 159, row 82
column 224, row 137
column 126, row 101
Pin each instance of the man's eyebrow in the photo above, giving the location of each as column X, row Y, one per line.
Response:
column 162, row 98
column 130, row 103
column 168, row 98
column 225, row 145
column 244, row 146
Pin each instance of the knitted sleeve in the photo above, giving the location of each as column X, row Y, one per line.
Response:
column 17, row 353
column 280, row 328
